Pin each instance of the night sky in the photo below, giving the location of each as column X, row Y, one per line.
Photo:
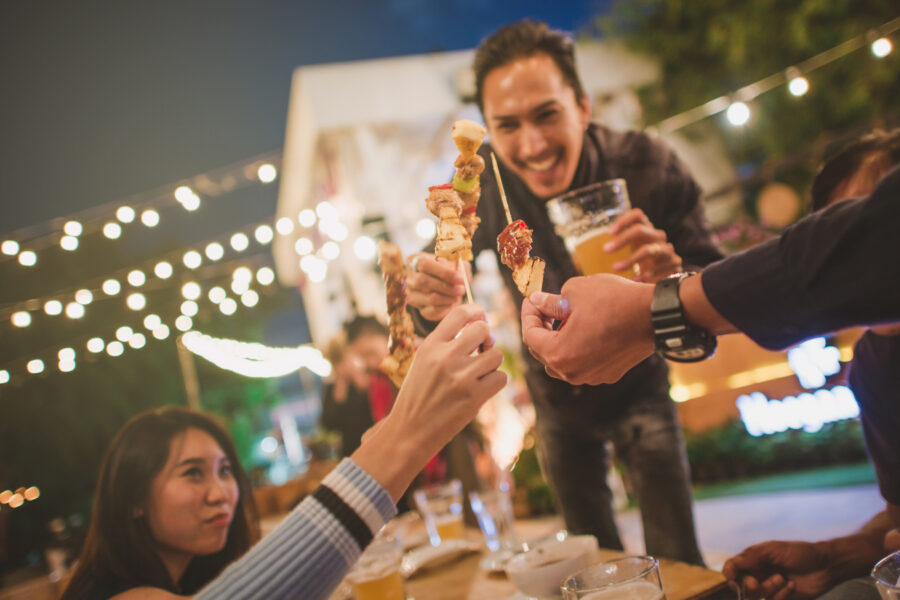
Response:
column 99, row 100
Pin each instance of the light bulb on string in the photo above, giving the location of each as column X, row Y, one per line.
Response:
column 239, row 241
column 214, row 251
column 68, row 243
column 228, row 306
column 137, row 341
column 136, row 301
column 152, row 321
column 263, row 234
column 150, row 218
column 738, row 114
column 66, row 354
column 53, row 307
column 239, row 286
column 364, row 248
column 217, row 294
column 330, row 251
column 190, row 202
column 125, row 214
column 326, row 211
column 95, row 345
column 307, row 217
column 115, row 348
column 111, row 287
column 35, row 366
column 303, row 246
column 66, row 366
column 4, row 376
column 183, row 323
column 137, row 278
column 189, row 308
column 243, row 274
column 21, row 318
column 161, row 332
column 73, row 228
column 284, row 226
column 124, row 333
column 84, row 297
column 9, row 247
column 265, row 276
column 74, row 310
column 112, row 230
column 249, row 298
column 191, row 290
column 192, row 259
column 163, row 270
column 881, row 47
column 183, row 193
column 798, row 86
column 27, row 258
column 267, row 173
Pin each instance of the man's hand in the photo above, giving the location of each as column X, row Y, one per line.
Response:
column 434, row 286
column 654, row 256
column 605, row 328
column 780, row 570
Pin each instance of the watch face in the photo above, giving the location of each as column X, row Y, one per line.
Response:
column 686, row 354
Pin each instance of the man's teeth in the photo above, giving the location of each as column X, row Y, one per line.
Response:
column 543, row 165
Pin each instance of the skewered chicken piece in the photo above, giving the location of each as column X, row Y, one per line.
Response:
column 514, row 246
column 468, row 135
column 403, row 337
column 453, row 242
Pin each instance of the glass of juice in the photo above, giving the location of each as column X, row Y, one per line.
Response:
column 442, row 510
column 376, row 575
column 582, row 219
column 629, row 578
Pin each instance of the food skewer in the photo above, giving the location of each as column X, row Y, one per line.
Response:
column 403, row 339
column 500, row 186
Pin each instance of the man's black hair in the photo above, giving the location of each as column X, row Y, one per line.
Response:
column 361, row 325
column 875, row 150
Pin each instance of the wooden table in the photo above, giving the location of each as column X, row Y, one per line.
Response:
column 464, row 580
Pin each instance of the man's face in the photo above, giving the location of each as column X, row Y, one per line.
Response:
column 370, row 348
column 536, row 122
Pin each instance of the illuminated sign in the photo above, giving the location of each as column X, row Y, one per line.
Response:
column 812, row 361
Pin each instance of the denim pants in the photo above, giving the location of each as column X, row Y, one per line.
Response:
column 647, row 439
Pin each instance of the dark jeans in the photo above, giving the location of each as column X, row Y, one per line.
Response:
column 648, row 440
column 862, row 588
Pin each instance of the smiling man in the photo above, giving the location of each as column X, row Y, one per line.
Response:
column 539, row 120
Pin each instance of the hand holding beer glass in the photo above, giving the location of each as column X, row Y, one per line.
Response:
column 590, row 218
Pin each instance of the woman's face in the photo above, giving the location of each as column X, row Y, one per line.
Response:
column 192, row 499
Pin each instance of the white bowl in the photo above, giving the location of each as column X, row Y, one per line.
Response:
column 539, row 571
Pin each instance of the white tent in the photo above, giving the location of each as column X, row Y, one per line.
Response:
column 365, row 139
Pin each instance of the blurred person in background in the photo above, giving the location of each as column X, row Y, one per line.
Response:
column 173, row 506
column 538, row 117
column 367, row 343
column 784, row 569
column 345, row 396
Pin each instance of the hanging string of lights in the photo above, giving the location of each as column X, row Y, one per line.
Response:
column 255, row 360
column 111, row 218
column 736, row 104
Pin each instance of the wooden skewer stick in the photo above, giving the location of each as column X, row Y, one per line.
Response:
column 459, row 265
column 500, row 185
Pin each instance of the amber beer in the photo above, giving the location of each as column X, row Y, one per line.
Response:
column 582, row 218
column 450, row 527
column 381, row 587
column 376, row 575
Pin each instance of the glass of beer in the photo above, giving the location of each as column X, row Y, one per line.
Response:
column 629, row 578
column 494, row 512
column 376, row 575
column 582, row 219
column 442, row 510
column 887, row 576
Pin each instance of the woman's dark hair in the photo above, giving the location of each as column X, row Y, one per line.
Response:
column 118, row 553
column 520, row 40
column 361, row 325
column 874, row 153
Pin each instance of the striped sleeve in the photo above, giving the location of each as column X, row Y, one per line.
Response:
column 309, row 552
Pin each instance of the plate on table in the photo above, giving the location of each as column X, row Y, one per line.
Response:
column 430, row 557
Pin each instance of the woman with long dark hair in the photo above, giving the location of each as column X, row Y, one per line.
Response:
column 173, row 506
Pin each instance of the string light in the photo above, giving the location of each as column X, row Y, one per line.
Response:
column 190, row 308
column 249, row 298
column 243, row 274
column 303, row 246
column 111, row 287
column 255, row 360
column 151, row 322
column 9, row 247
column 881, row 47
column 425, row 229
column 307, row 217
column 74, row 310
column 364, row 248
column 95, row 345
column 4, row 376
column 163, row 270
column 35, row 366
column 124, row 333
column 68, row 243
column 239, row 286
column 228, row 306
column 330, row 251
column 263, row 234
column 73, row 228
column 161, row 332
column 125, row 214
column 191, row 290
column 137, row 341
column 21, row 318
column 314, row 267
column 217, row 294
column 115, row 348
column 112, row 230
column 214, row 251
column 183, row 323
column 84, row 297
column 66, row 366
column 136, row 278
column 267, row 173
column 150, row 218
column 192, row 259
column 239, row 242
column 136, row 301
column 183, row 193
column 284, row 226
column 265, row 276
column 326, row 211
column 738, row 114
column 27, row 258
column 798, row 86
column 66, row 354
column 53, row 307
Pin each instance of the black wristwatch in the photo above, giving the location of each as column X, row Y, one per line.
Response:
column 676, row 338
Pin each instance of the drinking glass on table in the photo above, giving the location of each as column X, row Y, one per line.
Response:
column 887, row 576
column 494, row 512
column 441, row 509
column 629, row 578
column 376, row 575
column 582, row 218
